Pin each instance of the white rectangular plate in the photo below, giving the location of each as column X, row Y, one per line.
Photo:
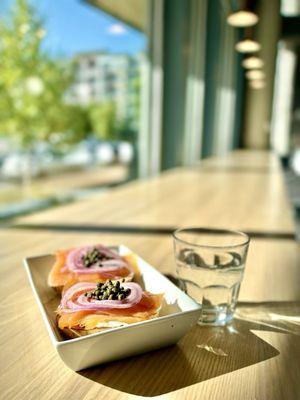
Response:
column 178, row 314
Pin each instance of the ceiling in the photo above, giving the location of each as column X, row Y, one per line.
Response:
column 131, row 12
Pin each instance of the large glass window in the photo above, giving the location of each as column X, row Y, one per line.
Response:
column 70, row 81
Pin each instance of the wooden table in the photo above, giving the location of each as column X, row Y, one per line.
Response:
column 251, row 201
column 262, row 345
column 244, row 160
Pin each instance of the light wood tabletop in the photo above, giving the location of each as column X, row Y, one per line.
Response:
column 252, row 201
column 262, row 345
column 244, row 160
column 257, row 356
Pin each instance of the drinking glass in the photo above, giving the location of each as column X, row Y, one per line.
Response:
column 210, row 265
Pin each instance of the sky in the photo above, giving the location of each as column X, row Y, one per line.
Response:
column 74, row 26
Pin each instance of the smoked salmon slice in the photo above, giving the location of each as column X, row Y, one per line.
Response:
column 76, row 315
column 61, row 275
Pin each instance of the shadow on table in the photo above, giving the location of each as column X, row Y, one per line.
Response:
column 204, row 353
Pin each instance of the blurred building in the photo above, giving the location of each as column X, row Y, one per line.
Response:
column 105, row 77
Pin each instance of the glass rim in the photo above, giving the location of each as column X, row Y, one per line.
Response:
column 211, row 230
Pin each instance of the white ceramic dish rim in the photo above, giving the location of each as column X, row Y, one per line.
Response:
column 58, row 343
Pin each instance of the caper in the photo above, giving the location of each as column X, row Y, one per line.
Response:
column 110, row 297
column 127, row 291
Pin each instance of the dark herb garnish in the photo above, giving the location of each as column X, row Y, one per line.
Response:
column 94, row 257
column 109, row 291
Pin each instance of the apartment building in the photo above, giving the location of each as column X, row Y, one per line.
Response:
column 102, row 76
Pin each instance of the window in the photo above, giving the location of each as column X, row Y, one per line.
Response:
column 91, row 63
column 80, row 55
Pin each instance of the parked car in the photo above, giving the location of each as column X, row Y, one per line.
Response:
column 85, row 153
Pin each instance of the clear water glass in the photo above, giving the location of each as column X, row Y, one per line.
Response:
column 210, row 265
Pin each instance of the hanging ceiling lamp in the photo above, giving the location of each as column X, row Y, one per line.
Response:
column 245, row 18
column 253, row 63
column 255, row 74
column 257, row 84
column 242, row 19
column 247, row 46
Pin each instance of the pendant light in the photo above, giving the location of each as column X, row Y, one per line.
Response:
column 242, row 19
column 252, row 63
column 257, row 84
column 247, row 46
column 255, row 74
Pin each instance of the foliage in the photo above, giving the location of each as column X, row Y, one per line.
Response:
column 32, row 86
column 103, row 120
column 126, row 129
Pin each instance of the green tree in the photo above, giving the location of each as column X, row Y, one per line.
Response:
column 103, row 120
column 32, row 86
column 75, row 124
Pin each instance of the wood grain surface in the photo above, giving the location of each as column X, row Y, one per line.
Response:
column 244, row 160
column 251, row 201
column 257, row 356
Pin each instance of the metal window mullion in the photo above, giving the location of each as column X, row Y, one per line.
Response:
column 152, row 94
column 283, row 98
column 225, row 96
column 157, row 88
column 195, row 86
